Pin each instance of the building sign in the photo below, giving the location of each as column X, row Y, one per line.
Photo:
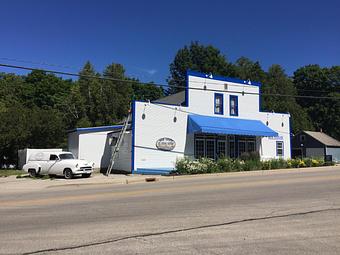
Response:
column 165, row 144
column 275, row 138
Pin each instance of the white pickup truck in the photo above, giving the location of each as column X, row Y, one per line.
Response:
column 57, row 163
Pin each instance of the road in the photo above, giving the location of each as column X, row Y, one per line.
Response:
column 282, row 212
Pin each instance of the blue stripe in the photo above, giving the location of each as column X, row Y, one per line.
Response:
column 96, row 129
column 158, row 171
column 222, row 78
column 133, row 136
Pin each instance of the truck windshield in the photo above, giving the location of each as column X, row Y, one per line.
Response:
column 66, row 156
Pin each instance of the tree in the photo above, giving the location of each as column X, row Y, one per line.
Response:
column 197, row 57
column 277, row 82
column 147, row 91
column 312, row 80
column 247, row 69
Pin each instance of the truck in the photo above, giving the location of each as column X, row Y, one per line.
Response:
column 57, row 163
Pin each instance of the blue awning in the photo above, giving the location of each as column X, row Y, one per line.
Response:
column 228, row 126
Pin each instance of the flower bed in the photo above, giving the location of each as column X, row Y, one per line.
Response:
column 205, row 165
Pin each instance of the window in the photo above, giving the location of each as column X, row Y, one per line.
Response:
column 250, row 146
column 241, row 147
column 221, row 149
column 210, row 148
column 199, row 148
column 53, row 157
column 233, row 106
column 218, row 103
column 232, row 146
column 302, row 138
column 66, row 156
column 279, row 148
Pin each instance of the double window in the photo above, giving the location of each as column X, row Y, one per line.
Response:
column 218, row 103
column 205, row 148
column 279, row 148
column 233, row 108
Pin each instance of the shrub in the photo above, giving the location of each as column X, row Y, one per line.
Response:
column 251, row 165
column 206, row 165
column 225, row 164
column 254, row 156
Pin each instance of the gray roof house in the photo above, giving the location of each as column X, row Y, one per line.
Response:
column 315, row 144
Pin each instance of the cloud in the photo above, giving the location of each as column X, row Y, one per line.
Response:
column 151, row 71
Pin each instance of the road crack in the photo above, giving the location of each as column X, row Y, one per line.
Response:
column 141, row 236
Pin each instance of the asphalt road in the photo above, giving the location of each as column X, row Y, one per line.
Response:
column 289, row 212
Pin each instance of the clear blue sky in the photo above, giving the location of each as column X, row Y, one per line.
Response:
column 145, row 35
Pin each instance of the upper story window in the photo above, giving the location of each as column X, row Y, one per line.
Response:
column 233, row 106
column 302, row 138
column 279, row 148
column 218, row 103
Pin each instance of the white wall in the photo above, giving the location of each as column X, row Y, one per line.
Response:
column 335, row 152
column 158, row 123
column 94, row 147
column 202, row 102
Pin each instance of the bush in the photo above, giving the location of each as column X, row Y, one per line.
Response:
column 254, row 156
column 206, row 165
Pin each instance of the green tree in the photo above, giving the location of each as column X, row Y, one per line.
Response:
column 147, row 91
column 312, row 80
column 197, row 57
column 277, row 82
column 247, row 69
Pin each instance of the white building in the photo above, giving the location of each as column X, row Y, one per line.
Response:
column 215, row 116
column 92, row 144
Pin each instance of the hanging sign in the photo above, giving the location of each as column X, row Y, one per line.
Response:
column 165, row 144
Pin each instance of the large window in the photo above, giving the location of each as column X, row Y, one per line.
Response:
column 241, row 147
column 233, row 106
column 221, row 149
column 232, row 147
column 279, row 148
column 218, row 104
column 210, row 148
column 199, row 148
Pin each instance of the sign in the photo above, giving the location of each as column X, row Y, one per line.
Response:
column 165, row 144
column 275, row 138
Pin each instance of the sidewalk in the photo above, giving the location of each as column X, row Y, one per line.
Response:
column 13, row 185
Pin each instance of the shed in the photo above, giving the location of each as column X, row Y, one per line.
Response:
column 92, row 144
column 315, row 144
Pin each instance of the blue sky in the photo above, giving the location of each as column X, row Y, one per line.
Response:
column 144, row 36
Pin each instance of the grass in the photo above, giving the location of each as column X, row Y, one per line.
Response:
column 9, row 172
column 21, row 174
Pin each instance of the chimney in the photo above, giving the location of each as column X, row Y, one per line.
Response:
column 321, row 130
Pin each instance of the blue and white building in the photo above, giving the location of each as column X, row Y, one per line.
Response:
column 214, row 117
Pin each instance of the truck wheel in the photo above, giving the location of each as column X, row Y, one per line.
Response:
column 68, row 173
column 32, row 173
column 86, row 175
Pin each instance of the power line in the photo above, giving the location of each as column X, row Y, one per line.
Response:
column 161, row 85
column 39, row 63
column 74, row 68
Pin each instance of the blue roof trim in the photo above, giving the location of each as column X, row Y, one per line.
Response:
column 222, row 78
column 96, row 129
column 230, row 126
